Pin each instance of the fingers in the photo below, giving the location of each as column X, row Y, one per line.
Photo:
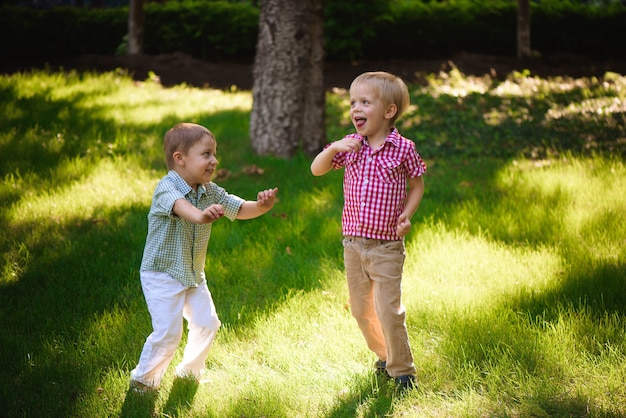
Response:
column 348, row 145
column 353, row 145
column 356, row 145
column 267, row 194
column 404, row 225
column 214, row 212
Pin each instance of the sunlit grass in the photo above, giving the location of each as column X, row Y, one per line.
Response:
column 514, row 279
column 107, row 185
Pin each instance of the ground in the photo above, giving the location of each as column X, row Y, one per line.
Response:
column 179, row 68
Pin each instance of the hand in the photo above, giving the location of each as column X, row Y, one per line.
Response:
column 348, row 145
column 266, row 199
column 213, row 213
column 404, row 225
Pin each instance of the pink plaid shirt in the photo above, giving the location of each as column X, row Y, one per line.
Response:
column 375, row 185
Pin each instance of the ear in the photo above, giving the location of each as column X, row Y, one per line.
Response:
column 391, row 111
column 178, row 158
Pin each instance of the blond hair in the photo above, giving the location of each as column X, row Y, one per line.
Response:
column 182, row 137
column 391, row 88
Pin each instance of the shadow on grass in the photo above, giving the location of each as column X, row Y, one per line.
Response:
column 488, row 125
column 139, row 405
column 75, row 273
column 597, row 289
column 372, row 398
column 506, row 333
column 39, row 133
column 181, row 396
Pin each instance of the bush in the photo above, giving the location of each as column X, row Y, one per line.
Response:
column 31, row 34
column 212, row 30
column 376, row 29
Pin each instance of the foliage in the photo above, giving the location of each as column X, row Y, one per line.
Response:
column 432, row 29
column 59, row 33
column 345, row 39
column 376, row 29
column 208, row 30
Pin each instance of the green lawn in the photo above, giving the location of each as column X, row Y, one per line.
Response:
column 515, row 279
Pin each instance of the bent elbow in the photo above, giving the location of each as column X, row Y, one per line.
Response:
column 318, row 171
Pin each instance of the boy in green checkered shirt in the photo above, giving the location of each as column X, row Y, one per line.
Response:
column 184, row 205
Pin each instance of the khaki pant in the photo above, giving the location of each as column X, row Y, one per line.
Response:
column 374, row 274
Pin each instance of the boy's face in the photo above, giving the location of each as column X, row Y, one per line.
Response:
column 369, row 114
column 199, row 163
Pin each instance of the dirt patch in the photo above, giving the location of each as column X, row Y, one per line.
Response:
column 177, row 68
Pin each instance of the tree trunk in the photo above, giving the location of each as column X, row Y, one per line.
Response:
column 288, row 88
column 135, row 27
column 524, row 52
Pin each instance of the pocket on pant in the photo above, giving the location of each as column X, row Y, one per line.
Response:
column 394, row 246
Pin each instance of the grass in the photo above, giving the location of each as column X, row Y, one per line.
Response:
column 514, row 281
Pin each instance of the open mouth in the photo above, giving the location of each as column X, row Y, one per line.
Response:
column 359, row 122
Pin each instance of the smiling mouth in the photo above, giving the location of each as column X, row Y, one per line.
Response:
column 359, row 122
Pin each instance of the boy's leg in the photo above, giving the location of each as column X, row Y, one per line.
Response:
column 386, row 262
column 203, row 324
column 362, row 296
column 165, row 298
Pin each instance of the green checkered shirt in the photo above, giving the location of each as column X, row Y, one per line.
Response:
column 174, row 245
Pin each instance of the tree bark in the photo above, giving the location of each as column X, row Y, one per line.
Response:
column 524, row 51
column 135, row 27
column 288, row 88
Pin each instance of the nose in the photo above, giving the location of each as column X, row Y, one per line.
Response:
column 356, row 107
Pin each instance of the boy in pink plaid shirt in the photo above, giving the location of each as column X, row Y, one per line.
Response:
column 378, row 165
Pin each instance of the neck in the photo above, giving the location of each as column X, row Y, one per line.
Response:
column 378, row 138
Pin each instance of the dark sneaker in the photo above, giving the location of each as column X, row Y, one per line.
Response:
column 381, row 367
column 406, row 381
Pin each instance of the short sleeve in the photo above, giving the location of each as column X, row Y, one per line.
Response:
column 230, row 202
column 414, row 162
column 165, row 195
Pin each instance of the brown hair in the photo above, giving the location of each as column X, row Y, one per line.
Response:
column 182, row 137
column 391, row 88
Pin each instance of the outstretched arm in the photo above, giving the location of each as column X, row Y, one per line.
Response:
column 252, row 209
column 413, row 200
column 323, row 161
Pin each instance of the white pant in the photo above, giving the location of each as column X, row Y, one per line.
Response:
column 168, row 303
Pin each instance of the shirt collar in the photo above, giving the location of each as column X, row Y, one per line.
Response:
column 182, row 185
column 393, row 137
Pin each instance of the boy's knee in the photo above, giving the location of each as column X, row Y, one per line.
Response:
column 392, row 316
column 208, row 326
